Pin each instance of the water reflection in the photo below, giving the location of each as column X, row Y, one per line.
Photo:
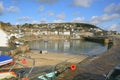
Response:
column 69, row 47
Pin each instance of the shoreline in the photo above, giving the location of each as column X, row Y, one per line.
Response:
column 51, row 59
column 54, row 58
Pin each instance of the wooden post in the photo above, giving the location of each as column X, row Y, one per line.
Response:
column 106, row 40
column 0, row 25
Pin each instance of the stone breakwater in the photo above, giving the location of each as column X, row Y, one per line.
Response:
column 103, row 40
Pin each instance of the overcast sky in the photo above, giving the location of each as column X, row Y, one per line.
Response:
column 102, row 13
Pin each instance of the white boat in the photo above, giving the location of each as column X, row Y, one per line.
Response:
column 7, row 75
column 18, row 43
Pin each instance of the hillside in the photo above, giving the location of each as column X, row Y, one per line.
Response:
column 67, row 26
column 60, row 25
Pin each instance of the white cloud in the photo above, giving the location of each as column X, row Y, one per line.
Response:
column 103, row 18
column 17, row 23
column 35, row 22
column 58, row 21
column 113, row 8
column 1, row 8
column 41, row 8
column 13, row 9
column 50, row 13
column 47, row 1
column 115, row 27
column 61, row 16
column 82, row 3
column 24, row 18
column 43, row 20
column 78, row 19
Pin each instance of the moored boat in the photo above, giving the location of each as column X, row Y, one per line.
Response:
column 5, row 59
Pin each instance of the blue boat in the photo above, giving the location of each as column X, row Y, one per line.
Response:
column 5, row 59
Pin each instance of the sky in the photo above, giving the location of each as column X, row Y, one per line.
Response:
column 102, row 13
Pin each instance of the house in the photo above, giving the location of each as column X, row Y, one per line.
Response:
column 67, row 33
column 3, row 37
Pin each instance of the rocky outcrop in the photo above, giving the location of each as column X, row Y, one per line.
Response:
column 22, row 49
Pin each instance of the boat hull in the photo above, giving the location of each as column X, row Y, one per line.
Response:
column 4, row 59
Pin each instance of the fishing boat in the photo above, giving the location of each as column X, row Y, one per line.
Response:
column 5, row 59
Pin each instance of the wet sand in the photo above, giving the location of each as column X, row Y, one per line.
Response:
column 54, row 58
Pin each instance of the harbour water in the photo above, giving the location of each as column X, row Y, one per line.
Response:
column 69, row 47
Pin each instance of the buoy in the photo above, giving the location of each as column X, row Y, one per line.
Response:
column 12, row 62
column 25, row 79
column 73, row 67
column 24, row 61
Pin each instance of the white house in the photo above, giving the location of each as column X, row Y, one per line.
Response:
column 3, row 38
column 67, row 33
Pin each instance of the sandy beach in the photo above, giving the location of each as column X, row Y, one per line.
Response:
column 54, row 58
column 45, row 63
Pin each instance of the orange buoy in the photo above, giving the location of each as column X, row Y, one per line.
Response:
column 25, row 79
column 73, row 67
column 24, row 61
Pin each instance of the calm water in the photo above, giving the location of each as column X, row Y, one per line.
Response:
column 69, row 47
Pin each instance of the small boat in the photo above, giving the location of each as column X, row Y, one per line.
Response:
column 48, row 76
column 5, row 59
column 18, row 43
column 4, row 75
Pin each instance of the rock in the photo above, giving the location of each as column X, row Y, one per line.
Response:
column 43, row 52
column 13, row 52
column 23, row 48
column 20, row 49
